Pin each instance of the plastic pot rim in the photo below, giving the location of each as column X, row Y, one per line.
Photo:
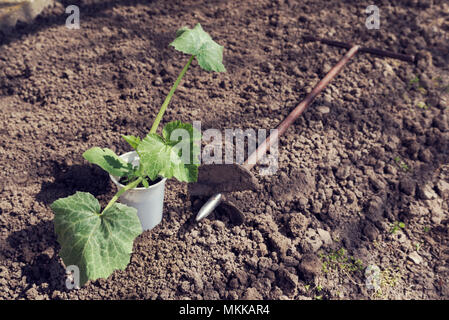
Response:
column 116, row 179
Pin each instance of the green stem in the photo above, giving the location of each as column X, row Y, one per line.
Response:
column 169, row 96
column 131, row 185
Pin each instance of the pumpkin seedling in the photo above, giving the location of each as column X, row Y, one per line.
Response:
column 401, row 164
column 100, row 241
column 397, row 225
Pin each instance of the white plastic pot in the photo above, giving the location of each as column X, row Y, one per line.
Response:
column 149, row 202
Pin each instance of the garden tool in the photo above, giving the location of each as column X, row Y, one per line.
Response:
column 217, row 198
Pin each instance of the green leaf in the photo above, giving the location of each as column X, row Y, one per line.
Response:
column 199, row 43
column 132, row 140
column 96, row 244
column 108, row 161
column 164, row 155
column 170, row 128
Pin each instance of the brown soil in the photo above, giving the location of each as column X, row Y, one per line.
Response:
column 366, row 156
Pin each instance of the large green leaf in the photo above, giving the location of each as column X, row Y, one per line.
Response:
column 199, row 43
column 96, row 244
column 164, row 155
column 108, row 161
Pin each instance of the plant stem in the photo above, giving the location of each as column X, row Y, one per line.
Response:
column 120, row 192
column 169, row 96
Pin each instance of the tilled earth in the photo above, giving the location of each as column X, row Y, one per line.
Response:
column 363, row 175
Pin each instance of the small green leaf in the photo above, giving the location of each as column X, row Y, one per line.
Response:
column 145, row 183
column 414, row 80
column 164, row 155
column 96, row 243
column 108, row 161
column 132, row 140
column 199, row 43
column 422, row 105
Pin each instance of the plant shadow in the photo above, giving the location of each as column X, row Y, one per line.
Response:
column 70, row 179
column 34, row 248
column 92, row 9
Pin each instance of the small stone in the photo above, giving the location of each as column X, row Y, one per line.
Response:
column 158, row 81
column 327, row 98
column 323, row 109
column 426, row 192
column 326, row 68
column 415, row 257
column 325, row 236
column 443, row 188
column 388, row 68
